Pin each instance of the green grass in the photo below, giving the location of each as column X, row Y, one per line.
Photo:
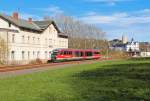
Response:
column 123, row 80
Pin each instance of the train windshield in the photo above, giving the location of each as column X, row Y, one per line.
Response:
column 55, row 52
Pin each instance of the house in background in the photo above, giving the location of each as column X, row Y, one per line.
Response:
column 117, row 45
column 145, row 49
column 132, row 47
column 28, row 40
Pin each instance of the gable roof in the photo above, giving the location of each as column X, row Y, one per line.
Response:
column 34, row 25
column 44, row 24
column 21, row 23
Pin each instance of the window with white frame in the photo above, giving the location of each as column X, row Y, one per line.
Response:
column 46, row 41
column 23, row 39
column 38, row 54
column 13, row 38
column 33, row 54
column 28, row 54
column 28, row 39
column 54, row 42
column 45, row 54
column 33, row 40
column 38, row 40
column 50, row 43
column 49, row 54
column 12, row 55
column 60, row 43
column 9, row 24
column 23, row 55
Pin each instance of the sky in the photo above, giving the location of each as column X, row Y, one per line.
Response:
column 115, row 17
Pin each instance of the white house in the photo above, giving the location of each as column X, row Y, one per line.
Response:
column 145, row 54
column 28, row 40
column 132, row 46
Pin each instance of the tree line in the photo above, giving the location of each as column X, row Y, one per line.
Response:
column 80, row 35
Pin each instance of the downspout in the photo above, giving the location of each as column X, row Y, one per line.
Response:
column 7, row 49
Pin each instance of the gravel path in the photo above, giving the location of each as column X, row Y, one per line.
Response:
column 27, row 71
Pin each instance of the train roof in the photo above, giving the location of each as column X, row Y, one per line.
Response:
column 60, row 49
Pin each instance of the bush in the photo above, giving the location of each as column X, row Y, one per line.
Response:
column 118, row 55
column 140, row 58
column 37, row 61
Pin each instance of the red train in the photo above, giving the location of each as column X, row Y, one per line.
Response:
column 74, row 54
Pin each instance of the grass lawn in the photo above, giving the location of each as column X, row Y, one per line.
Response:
column 121, row 80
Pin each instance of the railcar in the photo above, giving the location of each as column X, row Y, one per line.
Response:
column 74, row 54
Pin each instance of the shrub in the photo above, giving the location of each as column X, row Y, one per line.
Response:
column 118, row 55
column 37, row 61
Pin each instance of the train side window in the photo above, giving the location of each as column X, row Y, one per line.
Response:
column 96, row 52
column 81, row 54
column 61, row 53
column 88, row 53
column 76, row 53
column 65, row 52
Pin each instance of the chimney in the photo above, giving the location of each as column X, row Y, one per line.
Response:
column 30, row 20
column 15, row 15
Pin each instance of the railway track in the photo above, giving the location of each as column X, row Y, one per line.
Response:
column 22, row 67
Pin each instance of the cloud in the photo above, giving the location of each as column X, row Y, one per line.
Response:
column 134, row 24
column 109, row 2
column 123, row 18
column 52, row 9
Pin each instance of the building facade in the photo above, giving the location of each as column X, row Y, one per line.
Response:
column 132, row 46
column 28, row 40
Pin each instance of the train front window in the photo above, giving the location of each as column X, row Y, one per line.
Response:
column 55, row 52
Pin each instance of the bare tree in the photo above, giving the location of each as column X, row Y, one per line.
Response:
column 3, row 51
column 81, row 35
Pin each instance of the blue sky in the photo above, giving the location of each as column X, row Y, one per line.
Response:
column 115, row 17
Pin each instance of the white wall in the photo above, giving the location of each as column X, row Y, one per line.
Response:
column 132, row 46
column 42, row 43
column 145, row 54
